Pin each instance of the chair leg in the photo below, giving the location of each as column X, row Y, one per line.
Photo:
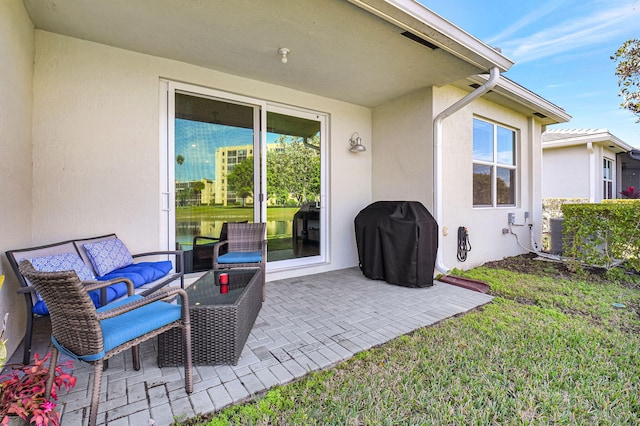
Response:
column 53, row 361
column 186, row 338
column 135, row 355
column 26, row 357
column 95, row 395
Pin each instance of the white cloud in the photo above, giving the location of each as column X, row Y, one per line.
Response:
column 603, row 23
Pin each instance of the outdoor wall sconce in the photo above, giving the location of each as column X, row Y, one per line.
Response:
column 356, row 143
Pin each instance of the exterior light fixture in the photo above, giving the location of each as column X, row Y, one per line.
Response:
column 283, row 52
column 356, row 143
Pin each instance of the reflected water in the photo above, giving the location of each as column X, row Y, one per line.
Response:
column 186, row 230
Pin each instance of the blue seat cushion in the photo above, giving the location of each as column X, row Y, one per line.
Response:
column 138, row 322
column 130, row 325
column 241, row 257
column 139, row 273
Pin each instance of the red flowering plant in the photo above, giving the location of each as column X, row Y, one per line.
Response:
column 630, row 192
column 22, row 392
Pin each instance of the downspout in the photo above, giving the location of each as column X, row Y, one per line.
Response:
column 592, row 173
column 494, row 76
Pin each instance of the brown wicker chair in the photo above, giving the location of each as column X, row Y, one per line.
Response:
column 85, row 333
column 246, row 248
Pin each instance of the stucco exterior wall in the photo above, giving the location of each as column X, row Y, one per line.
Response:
column 485, row 225
column 16, row 71
column 403, row 160
column 403, row 170
column 566, row 172
column 96, row 144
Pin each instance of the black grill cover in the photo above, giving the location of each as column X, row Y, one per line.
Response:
column 397, row 242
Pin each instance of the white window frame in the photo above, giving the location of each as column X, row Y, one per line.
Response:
column 495, row 164
column 605, row 181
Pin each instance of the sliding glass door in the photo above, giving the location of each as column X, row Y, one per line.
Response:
column 236, row 159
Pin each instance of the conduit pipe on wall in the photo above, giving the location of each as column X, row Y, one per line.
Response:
column 494, row 76
column 592, row 172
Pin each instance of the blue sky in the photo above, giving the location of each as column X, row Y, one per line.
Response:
column 561, row 51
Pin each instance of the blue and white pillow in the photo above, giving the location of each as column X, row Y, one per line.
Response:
column 63, row 262
column 108, row 255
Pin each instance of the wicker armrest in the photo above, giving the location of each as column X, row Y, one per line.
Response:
column 96, row 285
column 155, row 253
column 217, row 247
column 202, row 237
column 154, row 297
column 28, row 289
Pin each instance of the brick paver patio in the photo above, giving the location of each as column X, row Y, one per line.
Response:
column 306, row 324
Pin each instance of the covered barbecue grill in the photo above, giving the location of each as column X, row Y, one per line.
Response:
column 397, row 242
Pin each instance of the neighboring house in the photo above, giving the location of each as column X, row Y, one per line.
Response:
column 588, row 164
column 88, row 105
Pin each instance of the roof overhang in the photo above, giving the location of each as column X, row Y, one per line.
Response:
column 350, row 50
column 600, row 136
column 512, row 95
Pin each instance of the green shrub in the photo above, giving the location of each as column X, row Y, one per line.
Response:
column 602, row 234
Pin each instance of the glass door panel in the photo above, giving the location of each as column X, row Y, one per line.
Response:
column 214, row 172
column 293, row 187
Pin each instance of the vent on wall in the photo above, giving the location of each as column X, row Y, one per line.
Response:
column 420, row 40
column 539, row 115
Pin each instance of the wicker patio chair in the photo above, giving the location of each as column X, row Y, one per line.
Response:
column 203, row 253
column 246, row 247
column 85, row 333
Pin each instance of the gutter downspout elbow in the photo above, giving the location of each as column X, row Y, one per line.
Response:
column 494, row 77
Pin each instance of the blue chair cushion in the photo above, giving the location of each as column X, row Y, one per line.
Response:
column 130, row 325
column 135, row 323
column 241, row 257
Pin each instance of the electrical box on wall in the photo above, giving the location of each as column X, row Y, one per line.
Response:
column 512, row 218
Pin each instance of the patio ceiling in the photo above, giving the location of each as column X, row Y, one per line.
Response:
column 338, row 49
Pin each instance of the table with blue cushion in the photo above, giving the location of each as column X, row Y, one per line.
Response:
column 220, row 322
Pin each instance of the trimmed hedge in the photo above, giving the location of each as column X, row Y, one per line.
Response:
column 602, row 234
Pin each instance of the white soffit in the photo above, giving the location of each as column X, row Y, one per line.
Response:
column 338, row 49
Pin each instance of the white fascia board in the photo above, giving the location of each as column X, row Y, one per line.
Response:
column 525, row 97
column 594, row 138
column 417, row 19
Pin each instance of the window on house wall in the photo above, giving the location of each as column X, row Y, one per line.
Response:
column 494, row 165
column 607, row 177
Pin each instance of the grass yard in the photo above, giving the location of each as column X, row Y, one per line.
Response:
column 550, row 349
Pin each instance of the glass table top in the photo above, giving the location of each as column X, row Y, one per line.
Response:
column 206, row 290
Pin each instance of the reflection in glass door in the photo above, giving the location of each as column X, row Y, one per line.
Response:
column 214, row 172
column 230, row 158
column 293, row 186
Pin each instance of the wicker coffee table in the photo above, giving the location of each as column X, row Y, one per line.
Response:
column 220, row 323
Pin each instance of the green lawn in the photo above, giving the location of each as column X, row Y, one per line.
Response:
column 232, row 213
column 550, row 349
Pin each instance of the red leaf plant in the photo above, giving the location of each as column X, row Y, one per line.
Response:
column 630, row 192
column 22, row 392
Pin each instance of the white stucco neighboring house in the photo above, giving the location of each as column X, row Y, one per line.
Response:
column 589, row 164
column 88, row 108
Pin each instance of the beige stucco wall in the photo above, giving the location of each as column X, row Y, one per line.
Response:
column 403, row 160
column 485, row 225
column 566, row 172
column 403, row 170
column 96, row 144
column 16, row 71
